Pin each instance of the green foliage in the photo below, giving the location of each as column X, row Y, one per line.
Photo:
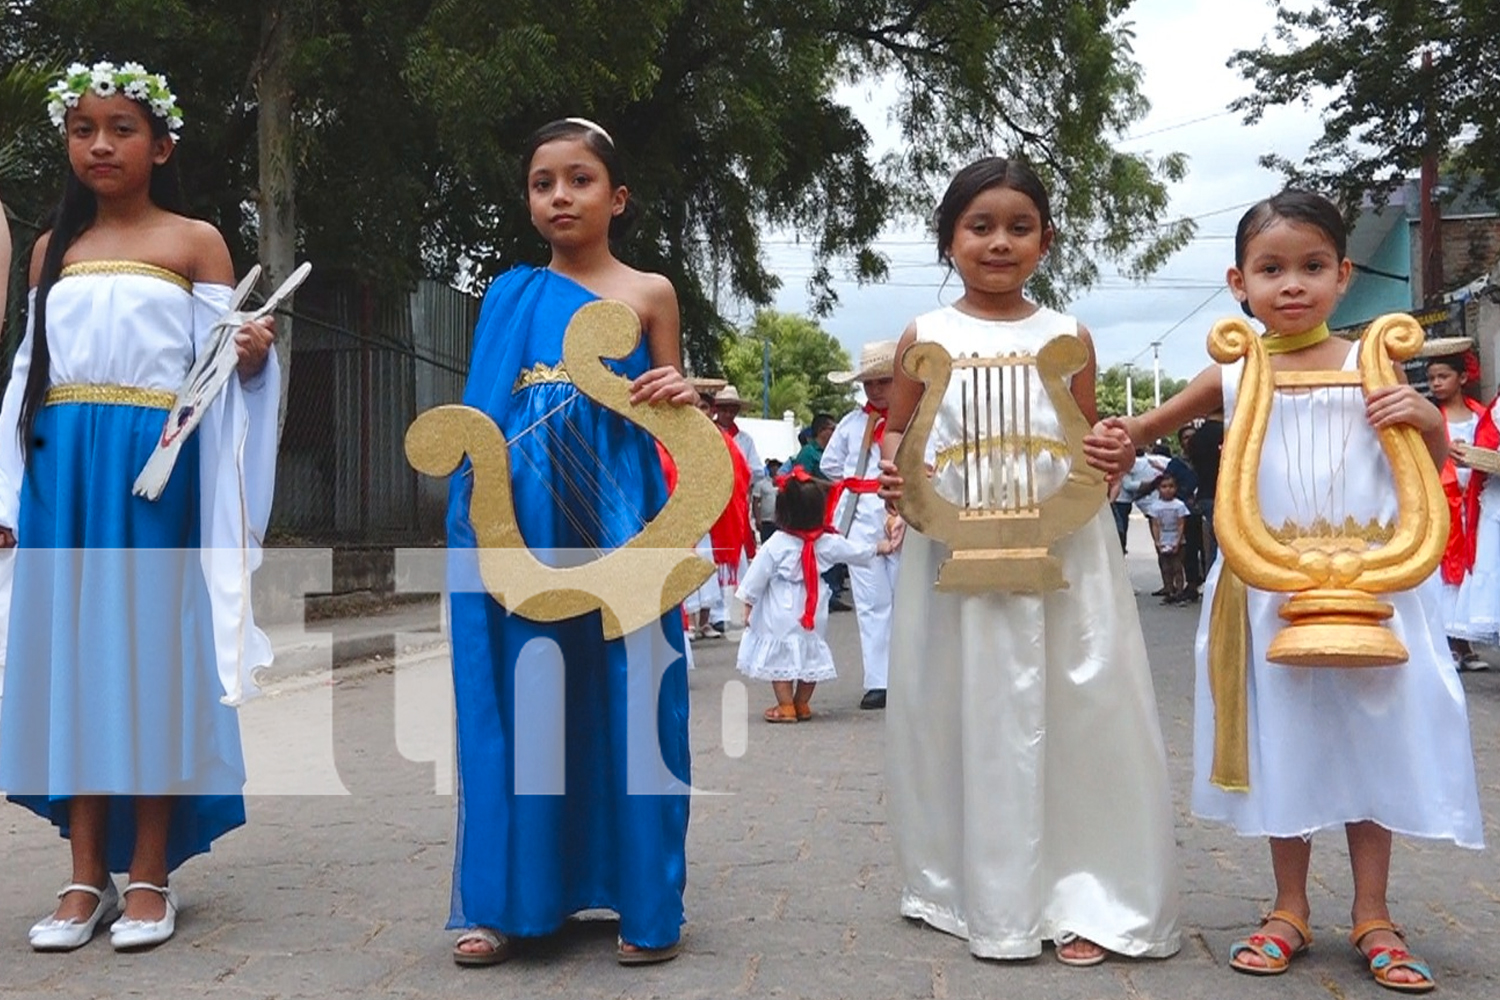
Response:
column 1110, row 390
column 802, row 355
column 1383, row 111
column 733, row 116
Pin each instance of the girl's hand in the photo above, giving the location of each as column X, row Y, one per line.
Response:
column 7, row 538
column 663, row 385
column 253, row 345
column 1109, row 449
column 890, row 485
column 1395, row 405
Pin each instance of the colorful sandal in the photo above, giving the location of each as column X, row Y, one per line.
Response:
column 1276, row 952
column 781, row 713
column 1384, row 961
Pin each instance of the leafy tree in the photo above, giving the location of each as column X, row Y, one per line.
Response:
column 1399, row 80
column 802, row 356
column 1110, row 391
column 407, row 117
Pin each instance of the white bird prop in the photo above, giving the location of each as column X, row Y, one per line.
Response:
column 207, row 378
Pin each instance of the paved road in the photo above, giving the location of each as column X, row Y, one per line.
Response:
column 342, row 891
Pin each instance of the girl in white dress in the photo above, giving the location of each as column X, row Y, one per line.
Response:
column 130, row 625
column 1025, row 767
column 1447, row 379
column 784, row 640
column 1373, row 749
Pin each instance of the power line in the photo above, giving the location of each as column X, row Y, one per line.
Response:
column 1178, row 125
column 1175, row 326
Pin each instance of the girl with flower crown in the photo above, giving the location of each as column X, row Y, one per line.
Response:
column 115, row 725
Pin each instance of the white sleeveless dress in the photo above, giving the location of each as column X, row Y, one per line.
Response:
column 1025, row 764
column 1328, row 745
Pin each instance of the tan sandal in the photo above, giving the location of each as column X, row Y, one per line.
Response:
column 781, row 713
column 1385, row 960
column 497, row 947
column 636, row 955
column 1276, row 952
column 804, row 710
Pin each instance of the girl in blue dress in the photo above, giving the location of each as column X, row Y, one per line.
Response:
column 595, row 816
column 115, row 725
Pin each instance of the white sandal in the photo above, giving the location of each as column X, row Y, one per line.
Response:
column 498, row 944
column 51, row 934
column 1068, row 937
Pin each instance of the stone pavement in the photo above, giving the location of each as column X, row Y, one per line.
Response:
column 342, row 891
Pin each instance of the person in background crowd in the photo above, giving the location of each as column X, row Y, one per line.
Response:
column 763, row 499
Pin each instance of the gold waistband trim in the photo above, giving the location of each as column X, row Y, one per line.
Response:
column 115, row 395
column 539, row 374
column 88, row 267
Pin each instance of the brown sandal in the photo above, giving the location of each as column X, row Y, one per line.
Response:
column 781, row 713
column 1276, row 952
column 1383, row 961
column 804, row 710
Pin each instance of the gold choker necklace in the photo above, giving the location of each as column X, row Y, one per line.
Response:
column 1279, row 344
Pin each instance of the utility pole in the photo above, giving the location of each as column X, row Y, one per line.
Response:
column 765, row 377
column 1431, row 224
column 1129, row 389
column 1156, row 367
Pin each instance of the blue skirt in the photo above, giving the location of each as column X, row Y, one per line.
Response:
column 111, row 683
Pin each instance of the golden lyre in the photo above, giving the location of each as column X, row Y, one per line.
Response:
column 1333, row 619
column 1000, row 531
column 633, row 585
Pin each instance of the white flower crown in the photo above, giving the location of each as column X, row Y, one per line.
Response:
column 106, row 80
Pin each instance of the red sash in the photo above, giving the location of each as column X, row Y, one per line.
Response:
column 1486, row 435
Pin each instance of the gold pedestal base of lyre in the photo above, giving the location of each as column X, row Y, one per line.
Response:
column 1336, row 628
column 1013, row 571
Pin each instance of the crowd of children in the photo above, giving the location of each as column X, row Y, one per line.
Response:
column 1026, row 770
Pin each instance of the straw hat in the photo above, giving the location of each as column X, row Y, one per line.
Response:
column 876, row 360
column 729, row 397
column 707, row 386
column 1444, row 347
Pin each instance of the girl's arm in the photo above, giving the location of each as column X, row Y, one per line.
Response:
column 757, row 577
column 664, row 382
column 1155, row 532
column 906, row 393
column 212, row 266
column 1106, row 448
column 1202, row 396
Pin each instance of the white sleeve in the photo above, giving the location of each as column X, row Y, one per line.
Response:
column 838, row 549
column 237, row 475
column 12, row 457
column 752, row 457
column 835, row 456
column 757, row 578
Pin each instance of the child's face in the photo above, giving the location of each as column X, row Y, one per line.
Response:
column 1167, row 489
column 110, row 145
column 569, row 194
column 1292, row 279
column 878, row 391
column 1445, row 382
column 998, row 241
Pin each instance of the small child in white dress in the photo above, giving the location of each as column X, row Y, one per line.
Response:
column 786, row 615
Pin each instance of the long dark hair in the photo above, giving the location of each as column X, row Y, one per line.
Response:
column 73, row 215
column 601, row 146
column 978, row 177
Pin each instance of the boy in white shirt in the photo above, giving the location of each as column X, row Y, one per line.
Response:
column 1168, row 516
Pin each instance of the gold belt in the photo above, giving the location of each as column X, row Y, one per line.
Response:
column 540, row 373
column 115, row 395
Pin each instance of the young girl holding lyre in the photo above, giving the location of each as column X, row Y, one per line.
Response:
column 785, row 637
column 559, row 810
column 1025, row 764
column 1372, row 749
column 122, row 645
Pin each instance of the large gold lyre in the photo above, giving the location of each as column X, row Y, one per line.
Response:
column 1005, row 548
column 1333, row 618
column 633, row 585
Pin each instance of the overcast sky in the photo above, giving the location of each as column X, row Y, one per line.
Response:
column 1183, row 46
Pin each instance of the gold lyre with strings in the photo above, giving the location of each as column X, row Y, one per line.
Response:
column 1002, row 526
column 1330, row 564
column 633, row 585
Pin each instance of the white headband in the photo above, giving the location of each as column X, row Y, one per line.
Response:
column 592, row 127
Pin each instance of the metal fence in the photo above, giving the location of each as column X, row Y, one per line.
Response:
column 363, row 365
